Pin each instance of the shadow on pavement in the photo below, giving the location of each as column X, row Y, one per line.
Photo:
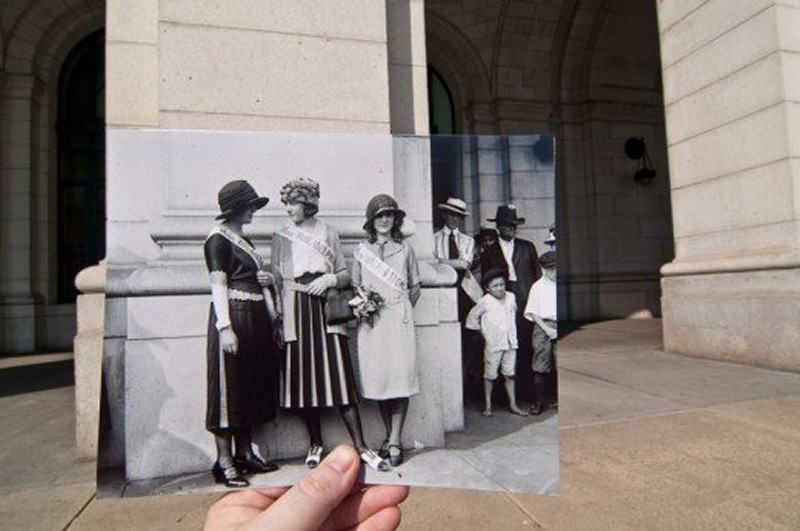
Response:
column 37, row 377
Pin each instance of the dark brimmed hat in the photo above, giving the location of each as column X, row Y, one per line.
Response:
column 485, row 232
column 235, row 196
column 547, row 260
column 379, row 204
column 507, row 215
column 453, row 204
column 493, row 274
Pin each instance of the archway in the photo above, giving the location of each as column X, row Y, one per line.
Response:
column 81, row 162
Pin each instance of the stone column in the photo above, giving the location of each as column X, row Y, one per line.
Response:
column 88, row 349
column 731, row 90
column 17, row 311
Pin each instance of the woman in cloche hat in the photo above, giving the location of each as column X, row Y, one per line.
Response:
column 242, row 361
column 387, row 356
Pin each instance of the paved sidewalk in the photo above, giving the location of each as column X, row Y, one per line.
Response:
column 649, row 440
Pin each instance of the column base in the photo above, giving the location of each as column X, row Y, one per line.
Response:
column 746, row 316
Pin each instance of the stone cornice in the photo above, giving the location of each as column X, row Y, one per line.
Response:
column 740, row 263
column 191, row 278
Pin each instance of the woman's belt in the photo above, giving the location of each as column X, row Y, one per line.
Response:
column 239, row 295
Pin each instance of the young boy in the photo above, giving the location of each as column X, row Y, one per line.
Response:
column 541, row 309
column 495, row 316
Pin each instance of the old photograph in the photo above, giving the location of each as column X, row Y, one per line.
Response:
column 273, row 295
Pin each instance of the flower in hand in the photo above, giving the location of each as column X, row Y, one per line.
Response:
column 366, row 304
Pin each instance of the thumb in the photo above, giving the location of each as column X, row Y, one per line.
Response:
column 308, row 504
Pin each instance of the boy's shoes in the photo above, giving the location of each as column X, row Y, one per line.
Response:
column 535, row 409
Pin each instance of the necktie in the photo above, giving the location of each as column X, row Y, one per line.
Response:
column 452, row 247
column 382, row 250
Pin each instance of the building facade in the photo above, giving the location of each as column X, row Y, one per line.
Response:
column 711, row 244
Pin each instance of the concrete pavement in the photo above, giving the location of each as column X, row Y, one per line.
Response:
column 649, row 440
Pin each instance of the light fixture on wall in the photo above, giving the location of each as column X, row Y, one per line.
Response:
column 636, row 150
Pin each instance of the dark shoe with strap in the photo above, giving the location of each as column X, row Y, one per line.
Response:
column 253, row 464
column 230, row 476
column 383, row 452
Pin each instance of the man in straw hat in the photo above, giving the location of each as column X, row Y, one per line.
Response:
column 456, row 249
column 519, row 258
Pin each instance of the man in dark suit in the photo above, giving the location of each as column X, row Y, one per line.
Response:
column 520, row 260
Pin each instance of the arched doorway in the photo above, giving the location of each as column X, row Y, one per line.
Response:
column 445, row 148
column 81, row 162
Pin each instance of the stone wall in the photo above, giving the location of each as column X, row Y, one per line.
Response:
column 589, row 74
column 732, row 291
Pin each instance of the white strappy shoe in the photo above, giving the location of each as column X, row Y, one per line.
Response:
column 373, row 460
column 314, row 456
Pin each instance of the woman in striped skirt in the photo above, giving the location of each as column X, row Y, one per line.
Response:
column 308, row 261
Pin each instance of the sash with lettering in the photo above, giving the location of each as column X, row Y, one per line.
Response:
column 379, row 268
column 239, row 242
column 245, row 246
column 295, row 235
column 309, row 240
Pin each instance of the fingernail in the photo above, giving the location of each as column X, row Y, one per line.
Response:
column 341, row 460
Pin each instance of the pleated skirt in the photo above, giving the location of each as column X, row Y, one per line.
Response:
column 317, row 370
column 242, row 388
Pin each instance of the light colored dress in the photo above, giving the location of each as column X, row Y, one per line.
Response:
column 387, row 350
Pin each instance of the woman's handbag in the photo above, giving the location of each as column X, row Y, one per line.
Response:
column 337, row 309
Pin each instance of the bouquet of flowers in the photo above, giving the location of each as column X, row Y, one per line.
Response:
column 366, row 304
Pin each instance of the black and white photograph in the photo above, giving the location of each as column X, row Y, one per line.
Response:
column 271, row 296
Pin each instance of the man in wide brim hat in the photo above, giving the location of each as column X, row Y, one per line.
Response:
column 519, row 258
column 236, row 196
column 450, row 245
column 455, row 205
column 507, row 215
column 456, row 249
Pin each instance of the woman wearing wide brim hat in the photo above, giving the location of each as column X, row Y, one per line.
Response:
column 387, row 357
column 242, row 360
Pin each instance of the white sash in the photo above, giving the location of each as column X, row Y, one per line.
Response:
column 239, row 242
column 379, row 268
column 300, row 236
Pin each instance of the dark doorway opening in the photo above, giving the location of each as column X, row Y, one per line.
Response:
column 81, row 162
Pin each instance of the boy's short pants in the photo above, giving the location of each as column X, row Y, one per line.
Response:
column 505, row 360
column 543, row 351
